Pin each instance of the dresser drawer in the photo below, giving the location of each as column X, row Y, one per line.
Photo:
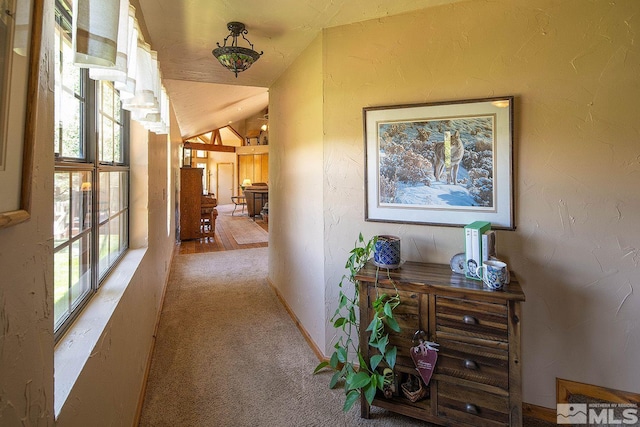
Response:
column 473, row 406
column 411, row 316
column 480, row 364
column 474, row 319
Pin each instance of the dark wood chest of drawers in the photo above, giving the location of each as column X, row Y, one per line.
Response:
column 477, row 378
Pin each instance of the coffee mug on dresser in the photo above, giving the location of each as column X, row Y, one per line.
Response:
column 494, row 273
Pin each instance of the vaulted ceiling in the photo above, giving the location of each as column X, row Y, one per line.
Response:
column 204, row 94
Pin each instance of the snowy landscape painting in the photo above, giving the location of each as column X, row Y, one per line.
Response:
column 448, row 162
column 437, row 163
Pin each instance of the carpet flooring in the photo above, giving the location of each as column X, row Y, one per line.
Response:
column 228, row 354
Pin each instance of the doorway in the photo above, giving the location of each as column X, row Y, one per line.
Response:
column 224, row 179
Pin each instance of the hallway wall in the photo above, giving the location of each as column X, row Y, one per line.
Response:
column 108, row 388
column 573, row 67
column 26, row 284
column 296, row 266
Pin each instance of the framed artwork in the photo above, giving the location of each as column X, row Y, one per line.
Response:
column 20, row 37
column 187, row 154
column 443, row 163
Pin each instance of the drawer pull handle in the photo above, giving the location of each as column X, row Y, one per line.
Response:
column 471, row 408
column 469, row 320
column 470, row 364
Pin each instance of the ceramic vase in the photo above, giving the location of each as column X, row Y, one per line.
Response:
column 386, row 252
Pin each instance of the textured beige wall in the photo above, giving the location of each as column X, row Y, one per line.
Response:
column 573, row 67
column 109, row 386
column 295, row 189
column 26, row 284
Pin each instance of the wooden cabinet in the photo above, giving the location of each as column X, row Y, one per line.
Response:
column 253, row 166
column 477, row 378
column 190, row 195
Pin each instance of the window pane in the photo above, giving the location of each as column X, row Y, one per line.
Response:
column 68, row 95
column 81, row 202
column 61, row 285
column 114, row 178
column 81, row 268
column 71, row 73
column 62, row 207
column 117, row 146
column 103, row 247
column 124, row 195
column 68, row 123
column 114, row 242
column 110, row 124
column 124, row 232
column 107, row 99
column 106, row 137
column 103, row 199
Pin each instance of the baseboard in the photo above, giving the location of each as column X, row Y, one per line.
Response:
column 539, row 413
column 298, row 324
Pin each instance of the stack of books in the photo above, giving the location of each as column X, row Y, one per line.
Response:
column 480, row 245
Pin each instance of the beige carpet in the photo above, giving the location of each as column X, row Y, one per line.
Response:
column 228, row 354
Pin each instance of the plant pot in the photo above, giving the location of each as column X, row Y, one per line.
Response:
column 386, row 252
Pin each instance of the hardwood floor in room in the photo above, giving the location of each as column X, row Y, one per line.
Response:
column 222, row 240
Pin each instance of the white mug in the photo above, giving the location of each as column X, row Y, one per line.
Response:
column 495, row 273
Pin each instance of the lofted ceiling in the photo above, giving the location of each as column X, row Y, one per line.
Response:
column 206, row 95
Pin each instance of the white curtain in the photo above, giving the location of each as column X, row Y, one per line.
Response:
column 118, row 72
column 134, row 67
column 95, row 31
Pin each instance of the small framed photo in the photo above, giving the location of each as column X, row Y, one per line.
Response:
column 443, row 163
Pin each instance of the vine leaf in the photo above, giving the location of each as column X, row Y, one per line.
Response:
column 352, row 396
column 375, row 361
column 393, row 324
column 390, row 356
column 321, row 366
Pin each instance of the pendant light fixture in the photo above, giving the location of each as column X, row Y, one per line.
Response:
column 234, row 57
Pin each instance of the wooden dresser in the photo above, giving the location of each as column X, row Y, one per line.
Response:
column 477, row 379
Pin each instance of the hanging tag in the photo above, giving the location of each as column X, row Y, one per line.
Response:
column 424, row 356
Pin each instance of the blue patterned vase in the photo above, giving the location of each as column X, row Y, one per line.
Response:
column 386, row 252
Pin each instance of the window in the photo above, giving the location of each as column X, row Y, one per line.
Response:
column 91, row 182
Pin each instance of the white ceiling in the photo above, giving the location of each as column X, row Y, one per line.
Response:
column 206, row 95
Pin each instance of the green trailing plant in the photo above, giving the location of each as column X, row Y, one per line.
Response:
column 359, row 375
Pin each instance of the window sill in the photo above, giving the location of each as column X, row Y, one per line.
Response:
column 75, row 348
